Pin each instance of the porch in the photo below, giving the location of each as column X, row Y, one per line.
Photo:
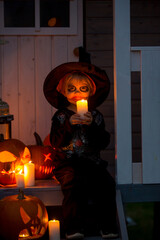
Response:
column 138, row 180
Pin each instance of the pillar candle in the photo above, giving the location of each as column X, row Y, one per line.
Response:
column 20, row 180
column 54, row 230
column 29, row 174
column 82, row 107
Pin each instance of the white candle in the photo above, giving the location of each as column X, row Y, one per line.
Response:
column 20, row 180
column 54, row 230
column 82, row 107
column 29, row 174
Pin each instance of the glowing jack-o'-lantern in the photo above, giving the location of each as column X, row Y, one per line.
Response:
column 22, row 217
column 13, row 155
column 43, row 158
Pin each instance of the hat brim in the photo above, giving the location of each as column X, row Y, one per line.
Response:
column 99, row 76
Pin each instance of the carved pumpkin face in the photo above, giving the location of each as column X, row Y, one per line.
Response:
column 13, row 155
column 25, row 218
column 43, row 158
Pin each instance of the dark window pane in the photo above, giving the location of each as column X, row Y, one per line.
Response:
column 19, row 13
column 54, row 13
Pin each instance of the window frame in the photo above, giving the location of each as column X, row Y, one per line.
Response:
column 37, row 30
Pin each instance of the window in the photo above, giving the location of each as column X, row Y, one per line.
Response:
column 38, row 17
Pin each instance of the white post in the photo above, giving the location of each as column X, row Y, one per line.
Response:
column 150, row 88
column 122, row 90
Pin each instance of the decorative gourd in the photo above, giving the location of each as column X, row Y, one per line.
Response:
column 43, row 158
column 13, row 155
column 22, row 217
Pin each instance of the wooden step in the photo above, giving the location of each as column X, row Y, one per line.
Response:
column 99, row 238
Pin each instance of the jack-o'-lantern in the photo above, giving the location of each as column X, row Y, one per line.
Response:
column 13, row 155
column 43, row 158
column 22, row 217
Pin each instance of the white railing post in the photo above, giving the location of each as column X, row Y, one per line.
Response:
column 122, row 90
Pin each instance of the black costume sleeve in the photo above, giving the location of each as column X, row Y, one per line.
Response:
column 99, row 138
column 60, row 130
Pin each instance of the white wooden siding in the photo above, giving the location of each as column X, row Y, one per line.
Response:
column 147, row 61
column 25, row 62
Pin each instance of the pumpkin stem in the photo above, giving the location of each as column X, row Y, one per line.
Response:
column 38, row 139
column 21, row 194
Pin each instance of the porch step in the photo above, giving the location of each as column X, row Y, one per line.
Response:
column 99, row 238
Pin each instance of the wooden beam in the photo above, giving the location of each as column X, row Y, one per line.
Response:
column 122, row 90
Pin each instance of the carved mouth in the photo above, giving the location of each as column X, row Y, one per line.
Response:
column 45, row 169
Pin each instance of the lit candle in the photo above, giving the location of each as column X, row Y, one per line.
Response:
column 29, row 174
column 54, row 230
column 82, row 107
column 20, row 179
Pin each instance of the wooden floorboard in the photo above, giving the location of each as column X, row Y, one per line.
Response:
column 99, row 238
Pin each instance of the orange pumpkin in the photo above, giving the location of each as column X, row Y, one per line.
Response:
column 13, row 154
column 22, row 217
column 43, row 158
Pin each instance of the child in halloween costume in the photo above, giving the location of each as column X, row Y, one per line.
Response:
column 78, row 141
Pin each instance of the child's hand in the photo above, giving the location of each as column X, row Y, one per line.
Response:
column 87, row 118
column 75, row 119
column 78, row 119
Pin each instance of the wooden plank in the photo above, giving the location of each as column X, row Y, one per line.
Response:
column 59, row 54
column 143, row 8
column 43, row 56
column 122, row 83
column 150, row 85
column 27, row 113
column 99, row 25
column 102, row 58
column 137, row 173
column 121, row 216
column 1, row 64
column 99, row 8
column 145, row 39
column 10, row 80
column 49, row 191
column 107, row 108
column 136, row 155
column 77, row 40
column 135, row 61
column 136, row 124
column 145, row 25
column 99, row 42
column 136, row 140
column 59, row 50
column 109, row 71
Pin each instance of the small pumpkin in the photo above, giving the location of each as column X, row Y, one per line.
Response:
column 22, row 217
column 13, row 154
column 43, row 158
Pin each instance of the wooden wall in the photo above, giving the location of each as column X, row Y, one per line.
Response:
column 25, row 61
column 99, row 43
column 145, row 31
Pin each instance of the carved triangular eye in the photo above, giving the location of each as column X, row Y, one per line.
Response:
column 26, row 155
column 24, row 216
column 40, row 213
column 6, row 156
